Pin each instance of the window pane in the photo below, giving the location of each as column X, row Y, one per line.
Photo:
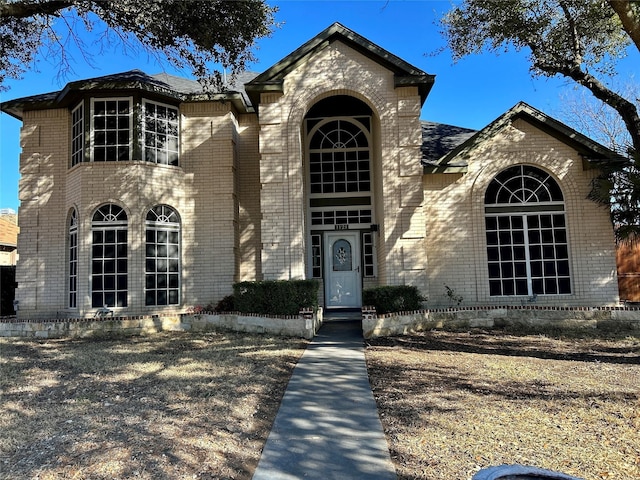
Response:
column 111, row 129
column 162, row 252
column 495, row 288
column 161, row 134
column 533, row 251
column 109, row 257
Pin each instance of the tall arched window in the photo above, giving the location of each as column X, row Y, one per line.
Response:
column 73, row 259
column 109, row 266
column 162, row 265
column 526, row 232
column 339, row 157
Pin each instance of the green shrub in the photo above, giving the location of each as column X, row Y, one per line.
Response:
column 227, row 304
column 276, row 297
column 397, row 298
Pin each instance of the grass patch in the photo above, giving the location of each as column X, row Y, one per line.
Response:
column 165, row 406
column 452, row 403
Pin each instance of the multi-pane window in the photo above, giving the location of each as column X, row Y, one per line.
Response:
column 119, row 130
column 112, row 128
column 339, row 158
column 77, row 134
column 160, row 130
column 368, row 255
column 341, row 217
column 316, row 256
column 527, row 247
column 109, row 266
column 73, row 259
column 162, row 265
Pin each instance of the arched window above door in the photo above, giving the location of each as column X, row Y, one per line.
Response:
column 339, row 157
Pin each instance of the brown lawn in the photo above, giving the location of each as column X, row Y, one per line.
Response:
column 200, row 406
column 453, row 403
column 171, row 406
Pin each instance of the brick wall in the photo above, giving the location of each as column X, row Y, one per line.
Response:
column 456, row 244
column 340, row 70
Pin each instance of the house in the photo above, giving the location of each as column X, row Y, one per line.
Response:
column 8, row 237
column 141, row 194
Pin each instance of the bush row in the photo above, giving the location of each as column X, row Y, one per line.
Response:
column 396, row 298
column 287, row 297
column 275, row 297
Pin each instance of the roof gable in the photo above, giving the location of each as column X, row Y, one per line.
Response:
column 405, row 73
column 455, row 161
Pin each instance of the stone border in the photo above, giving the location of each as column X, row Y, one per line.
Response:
column 304, row 325
column 604, row 318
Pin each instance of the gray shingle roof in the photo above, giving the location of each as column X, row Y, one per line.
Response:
column 171, row 86
column 438, row 139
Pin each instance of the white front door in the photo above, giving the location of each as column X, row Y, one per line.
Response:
column 343, row 285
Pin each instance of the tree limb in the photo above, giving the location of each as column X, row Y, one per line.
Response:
column 575, row 38
column 627, row 110
column 629, row 17
column 29, row 9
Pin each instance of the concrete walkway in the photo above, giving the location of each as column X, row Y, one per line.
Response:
column 328, row 425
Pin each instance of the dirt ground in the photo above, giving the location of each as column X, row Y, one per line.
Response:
column 199, row 406
column 453, row 403
column 174, row 406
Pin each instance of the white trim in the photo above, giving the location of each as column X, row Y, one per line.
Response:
column 81, row 135
column 93, row 130
column 143, row 124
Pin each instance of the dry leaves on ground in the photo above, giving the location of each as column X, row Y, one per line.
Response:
column 166, row 406
column 453, row 403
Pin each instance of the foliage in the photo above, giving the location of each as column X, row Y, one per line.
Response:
column 189, row 34
column 7, row 289
column 227, row 304
column 579, row 39
column 396, row 298
column 276, row 297
column 452, row 296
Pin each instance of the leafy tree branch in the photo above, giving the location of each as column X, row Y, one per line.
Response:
column 188, row 34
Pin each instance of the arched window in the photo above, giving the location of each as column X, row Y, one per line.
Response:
column 339, row 157
column 526, row 231
column 162, row 265
column 338, row 131
column 109, row 266
column 73, row 259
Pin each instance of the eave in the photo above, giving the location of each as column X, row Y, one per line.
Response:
column 405, row 74
column 593, row 153
column 132, row 81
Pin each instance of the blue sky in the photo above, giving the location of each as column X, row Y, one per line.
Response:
column 471, row 93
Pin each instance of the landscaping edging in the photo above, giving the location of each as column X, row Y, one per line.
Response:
column 304, row 325
column 604, row 318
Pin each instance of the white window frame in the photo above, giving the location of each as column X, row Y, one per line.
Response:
column 168, row 224
column 115, row 223
column 73, row 259
column 506, row 256
column 77, row 134
column 156, row 151
column 93, row 129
